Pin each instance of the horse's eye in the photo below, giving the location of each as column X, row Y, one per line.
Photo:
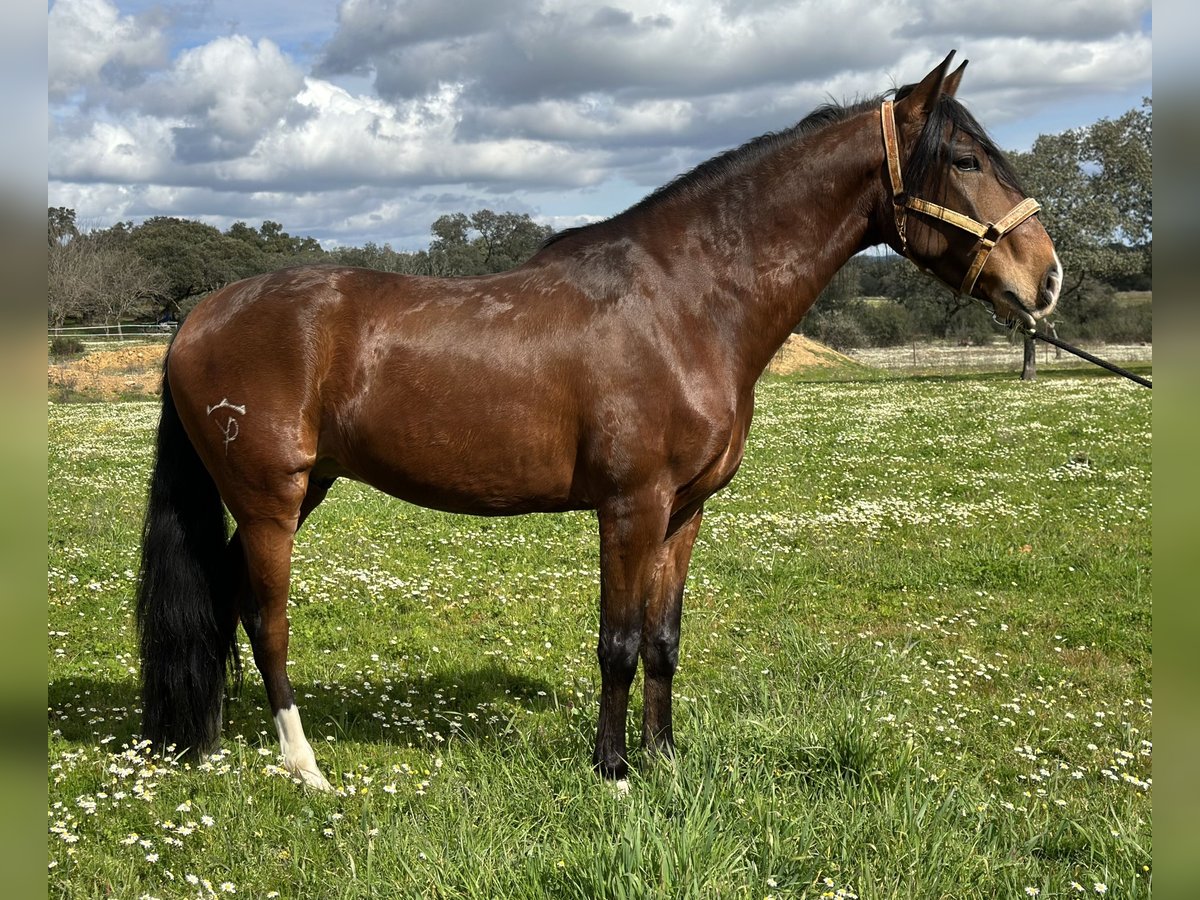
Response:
column 968, row 163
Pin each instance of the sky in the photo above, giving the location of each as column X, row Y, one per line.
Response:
column 366, row 120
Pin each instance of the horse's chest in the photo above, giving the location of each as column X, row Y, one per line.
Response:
column 721, row 466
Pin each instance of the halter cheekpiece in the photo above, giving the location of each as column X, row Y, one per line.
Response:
column 988, row 235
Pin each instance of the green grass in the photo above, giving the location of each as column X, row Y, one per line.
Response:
column 916, row 662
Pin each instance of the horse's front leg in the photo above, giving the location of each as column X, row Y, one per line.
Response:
column 631, row 532
column 660, row 635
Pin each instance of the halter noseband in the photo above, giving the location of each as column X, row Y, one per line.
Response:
column 988, row 235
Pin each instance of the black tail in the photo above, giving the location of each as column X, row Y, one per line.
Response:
column 185, row 607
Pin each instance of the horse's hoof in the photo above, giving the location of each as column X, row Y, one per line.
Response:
column 612, row 771
column 313, row 779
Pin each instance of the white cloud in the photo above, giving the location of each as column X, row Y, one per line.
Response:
column 418, row 108
column 228, row 93
column 133, row 150
column 564, row 48
column 346, row 139
column 234, row 85
column 1062, row 19
column 90, row 42
column 1011, row 79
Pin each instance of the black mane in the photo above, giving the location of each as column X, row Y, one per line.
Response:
column 927, row 158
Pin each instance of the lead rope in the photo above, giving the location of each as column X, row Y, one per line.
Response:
column 1082, row 354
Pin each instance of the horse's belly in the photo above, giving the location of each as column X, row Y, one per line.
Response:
column 484, row 468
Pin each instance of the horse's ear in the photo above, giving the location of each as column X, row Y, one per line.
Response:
column 953, row 80
column 919, row 103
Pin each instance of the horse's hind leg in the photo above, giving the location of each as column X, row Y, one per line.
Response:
column 660, row 636
column 265, row 545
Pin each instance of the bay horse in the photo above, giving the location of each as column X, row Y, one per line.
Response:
column 614, row 371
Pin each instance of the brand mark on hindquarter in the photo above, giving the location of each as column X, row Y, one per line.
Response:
column 231, row 428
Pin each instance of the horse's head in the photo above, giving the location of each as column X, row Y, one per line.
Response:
column 958, row 211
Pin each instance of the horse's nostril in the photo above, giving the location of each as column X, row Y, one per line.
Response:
column 1051, row 285
column 1054, row 274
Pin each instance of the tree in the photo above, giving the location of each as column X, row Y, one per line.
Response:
column 194, row 258
column 834, row 317
column 1096, row 189
column 72, row 277
column 935, row 309
column 276, row 247
column 128, row 283
column 248, row 234
column 383, row 258
column 60, row 225
column 484, row 242
column 451, row 248
column 507, row 239
column 1095, row 185
column 98, row 277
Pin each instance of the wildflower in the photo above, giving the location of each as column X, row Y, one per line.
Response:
column 152, row 857
column 1032, row 891
column 228, row 888
column 1100, row 887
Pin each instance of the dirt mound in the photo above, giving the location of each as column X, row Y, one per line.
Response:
column 799, row 353
column 109, row 374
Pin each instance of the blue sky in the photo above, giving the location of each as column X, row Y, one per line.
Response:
column 356, row 120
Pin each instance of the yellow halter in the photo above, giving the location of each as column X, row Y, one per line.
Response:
column 988, row 235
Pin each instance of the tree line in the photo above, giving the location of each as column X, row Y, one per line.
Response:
column 1094, row 183
column 161, row 268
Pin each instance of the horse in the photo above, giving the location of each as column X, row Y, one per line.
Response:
column 613, row 371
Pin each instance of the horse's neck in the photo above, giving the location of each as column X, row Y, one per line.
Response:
column 794, row 226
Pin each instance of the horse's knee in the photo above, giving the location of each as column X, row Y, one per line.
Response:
column 618, row 653
column 660, row 654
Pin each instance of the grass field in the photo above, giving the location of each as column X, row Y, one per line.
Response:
column 916, row 662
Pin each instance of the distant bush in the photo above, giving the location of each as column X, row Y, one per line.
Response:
column 885, row 323
column 1095, row 313
column 65, row 347
column 840, row 329
column 973, row 326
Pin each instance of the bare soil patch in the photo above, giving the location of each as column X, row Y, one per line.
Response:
column 134, row 371
column 799, row 353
